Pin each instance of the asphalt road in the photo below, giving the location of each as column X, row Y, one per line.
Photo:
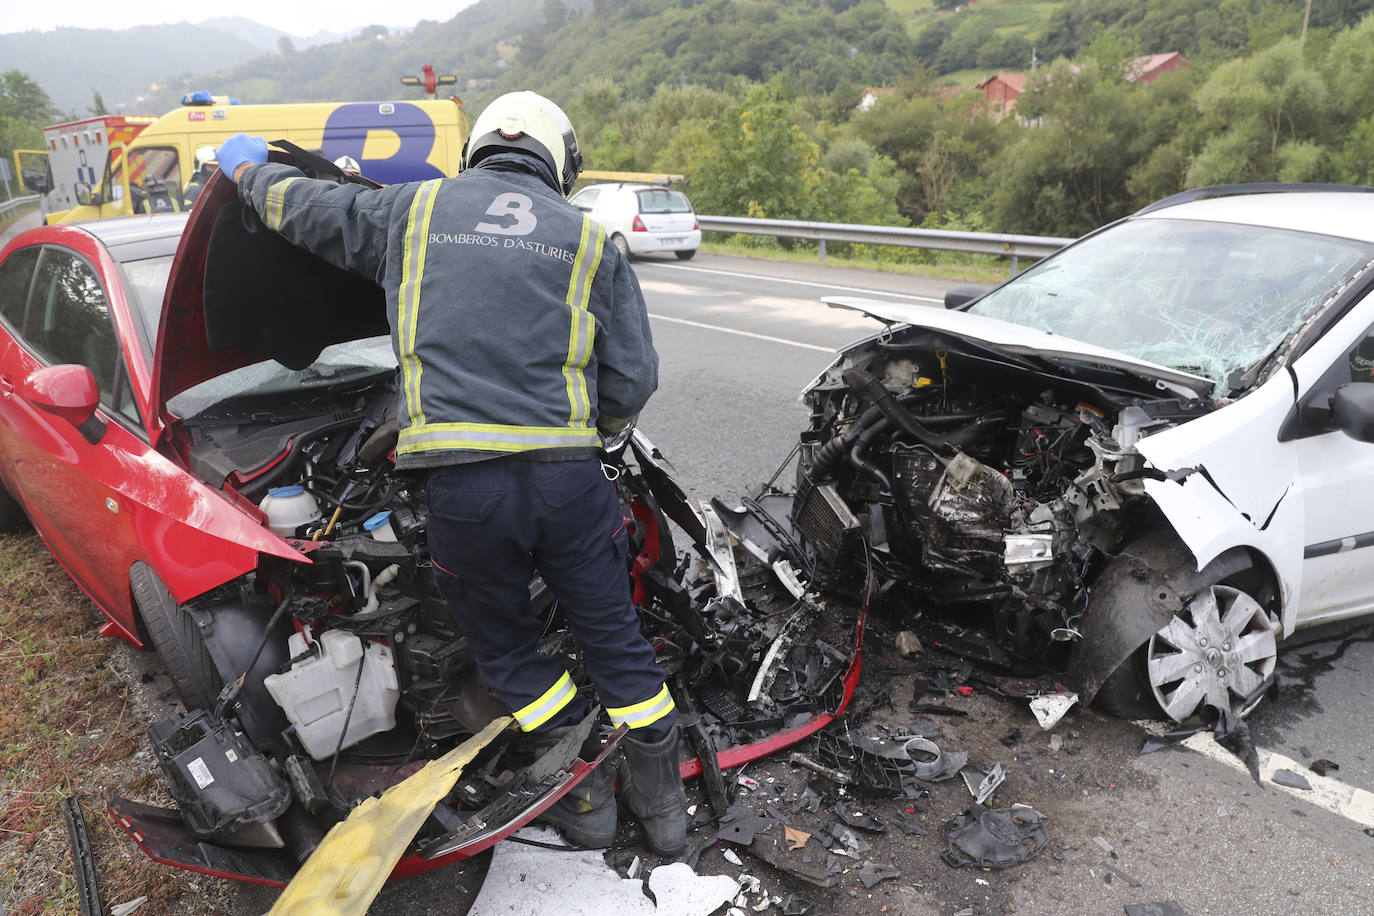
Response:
column 738, row 339
column 1187, row 827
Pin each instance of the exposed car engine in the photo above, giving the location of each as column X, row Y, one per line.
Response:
column 976, row 485
column 346, row 673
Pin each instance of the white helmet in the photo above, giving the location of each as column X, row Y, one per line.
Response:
column 205, row 157
column 348, row 164
column 527, row 122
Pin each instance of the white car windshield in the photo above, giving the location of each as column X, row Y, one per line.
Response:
column 1204, row 297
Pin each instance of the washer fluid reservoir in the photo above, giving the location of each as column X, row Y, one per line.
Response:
column 316, row 693
column 288, row 508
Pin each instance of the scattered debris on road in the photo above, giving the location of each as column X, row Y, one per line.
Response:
column 1291, row 780
column 995, row 838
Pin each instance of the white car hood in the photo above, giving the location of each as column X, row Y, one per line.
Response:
column 1015, row 338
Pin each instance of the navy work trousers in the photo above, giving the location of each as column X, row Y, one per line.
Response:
column 492, row 524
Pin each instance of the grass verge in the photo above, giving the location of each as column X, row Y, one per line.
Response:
column 66, row 728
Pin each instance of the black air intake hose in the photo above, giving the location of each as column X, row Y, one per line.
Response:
column 886, row 401
column 972, row 433
column 859, row 455
column 829, row 454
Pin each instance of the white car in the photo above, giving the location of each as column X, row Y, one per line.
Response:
column 641, row 218
column 1142, row 463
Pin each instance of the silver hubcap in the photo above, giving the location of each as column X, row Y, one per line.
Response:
column 1215, row 652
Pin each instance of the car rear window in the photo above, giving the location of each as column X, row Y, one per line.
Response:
column 661, row 200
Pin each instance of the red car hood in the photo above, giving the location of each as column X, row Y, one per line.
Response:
column 239, row 294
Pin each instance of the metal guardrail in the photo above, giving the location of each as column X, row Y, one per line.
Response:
column 1011, row 246
column 17, row 206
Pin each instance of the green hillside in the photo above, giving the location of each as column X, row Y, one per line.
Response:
column 755, row 100
column 71, row 63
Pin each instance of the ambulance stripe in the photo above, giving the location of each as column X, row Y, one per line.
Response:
column 408, row 299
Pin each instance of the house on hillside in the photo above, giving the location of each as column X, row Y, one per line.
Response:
column 1150, row 67
column 1002, row 89
column 870, row 96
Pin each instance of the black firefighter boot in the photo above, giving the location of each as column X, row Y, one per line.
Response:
column 585, row 816
column 651, row 784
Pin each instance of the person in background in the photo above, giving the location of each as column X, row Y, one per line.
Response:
column 205, row 166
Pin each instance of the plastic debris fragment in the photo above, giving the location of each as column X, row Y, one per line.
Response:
column 931, row 764
column 682, row 892
column 994, row 838
column 1050, row 708
column 872, row 873
column 1291, row 780
column 981, row 785
column 858, row 818
column 1163, row 908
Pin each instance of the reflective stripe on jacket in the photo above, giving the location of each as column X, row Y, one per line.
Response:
column 517, row 326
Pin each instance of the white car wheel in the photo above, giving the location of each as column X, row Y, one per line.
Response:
column 1216, row 652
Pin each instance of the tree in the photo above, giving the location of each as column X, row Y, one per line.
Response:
column 555, row 14
column 97, row 104
column 1069, row 174
column 24, row 109
column 752, row 160
column 23, row 99
column 285, row 45
column 1261, row 113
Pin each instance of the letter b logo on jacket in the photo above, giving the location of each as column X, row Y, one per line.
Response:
column 515, row 212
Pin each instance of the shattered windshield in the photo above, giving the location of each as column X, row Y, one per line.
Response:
column 1204, row 297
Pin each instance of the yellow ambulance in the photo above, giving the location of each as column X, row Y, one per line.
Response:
column 388, row 142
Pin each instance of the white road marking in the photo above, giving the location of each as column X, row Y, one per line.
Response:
column 1330, row 794
column 848, row 289
column 738, row 333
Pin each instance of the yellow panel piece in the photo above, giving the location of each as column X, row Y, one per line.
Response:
column 381, row 144
column 347, row 870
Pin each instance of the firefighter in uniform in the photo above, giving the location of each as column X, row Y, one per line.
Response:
column 205, row 167
column 522, row 338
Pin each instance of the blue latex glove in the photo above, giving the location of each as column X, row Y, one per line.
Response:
column 239, row 149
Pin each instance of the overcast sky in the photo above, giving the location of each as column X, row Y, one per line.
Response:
column 297, row 18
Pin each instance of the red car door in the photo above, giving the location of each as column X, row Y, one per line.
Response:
column 100, row 495
column 70, row 485
column 16, row 276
